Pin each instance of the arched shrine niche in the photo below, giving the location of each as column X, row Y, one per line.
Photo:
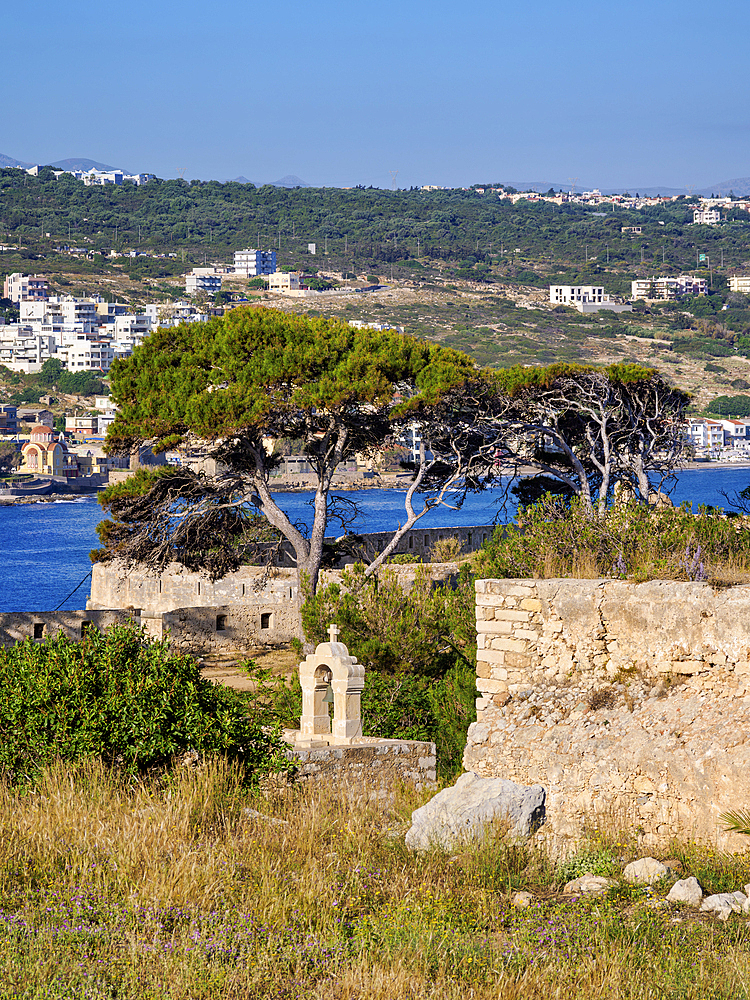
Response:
column 331, row 671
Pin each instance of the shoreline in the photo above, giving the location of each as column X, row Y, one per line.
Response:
column 347, row 486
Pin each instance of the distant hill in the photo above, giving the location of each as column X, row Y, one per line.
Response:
column 290, row 181
column 9, row 161
column 240, row 180
column 739, row 185
column 81, row 163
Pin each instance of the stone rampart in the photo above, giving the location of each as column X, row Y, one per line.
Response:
column 629, row 703
column 16, row 626
column 250, row 591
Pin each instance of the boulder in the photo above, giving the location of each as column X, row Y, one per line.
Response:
column 724, row 904
column 686, row 891
column 589, row 885
column 468, row 810
column 522, row 900
column 644, row 870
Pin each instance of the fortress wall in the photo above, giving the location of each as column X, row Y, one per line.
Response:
column 114, row 586
column 630, row 703
column 19, row 625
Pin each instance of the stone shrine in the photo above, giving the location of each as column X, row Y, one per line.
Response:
column 331, row 674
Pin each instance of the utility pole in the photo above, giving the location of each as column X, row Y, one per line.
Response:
column 608, row 254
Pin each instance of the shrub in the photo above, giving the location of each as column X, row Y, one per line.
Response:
column 558, row 538
column 121, row 697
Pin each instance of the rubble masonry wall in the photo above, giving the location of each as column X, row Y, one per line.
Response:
column 629, row 703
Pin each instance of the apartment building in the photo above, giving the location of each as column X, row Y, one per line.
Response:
column 706, row 435
column 25, row 288
column 285, row 281
column 23, row 349
column 203, row 279
column 740, row 283
column 8, row 419
column 706, row 217
column 251, row 263
column 668, row 288
column 571, row 295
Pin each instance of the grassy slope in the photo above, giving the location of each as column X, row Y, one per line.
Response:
column 175, row 891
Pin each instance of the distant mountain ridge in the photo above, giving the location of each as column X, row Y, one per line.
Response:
column 737, row 185
column 82, row 163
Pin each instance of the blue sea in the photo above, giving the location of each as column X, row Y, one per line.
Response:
column 44, row 547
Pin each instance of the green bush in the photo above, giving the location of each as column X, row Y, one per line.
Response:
column 121, row 697
column 418, row 648
column 556, row 537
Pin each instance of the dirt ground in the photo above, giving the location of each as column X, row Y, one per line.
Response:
column 227, row 669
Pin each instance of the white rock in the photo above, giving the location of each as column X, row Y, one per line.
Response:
column 723, row 904
column 468, row 810
column 645, row 870
column 687, row 890
column 522, row 900
column 588, row 884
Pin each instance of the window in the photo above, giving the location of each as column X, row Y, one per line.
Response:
column 221, row 623
column 411, row 541
column 265, row 620
column 38, row 630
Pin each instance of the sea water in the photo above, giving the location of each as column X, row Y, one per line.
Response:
column 44, row 547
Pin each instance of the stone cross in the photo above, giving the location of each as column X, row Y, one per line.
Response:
column 333, row 633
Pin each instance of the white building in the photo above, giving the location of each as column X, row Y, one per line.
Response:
column 706, row 435
column 251, row 263
column 585, row 298
column 740, row 283
column 203, row 279
column 25, row 288
column 572, row 295
column 24, row 350
column 668, row 288
column 706, row 217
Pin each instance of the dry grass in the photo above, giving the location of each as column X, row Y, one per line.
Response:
column 174, row 890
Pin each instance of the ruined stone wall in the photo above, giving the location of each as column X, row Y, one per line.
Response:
column 629, row 703
column 266, row 602
column 229, row 628
column 369, row 763
column 19, row 625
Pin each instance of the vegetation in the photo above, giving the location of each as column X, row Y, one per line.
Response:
column 163, row 892
column 730, row 406
column 363, row 230
column 120, row 698
column 557, row 538
column 259, row 373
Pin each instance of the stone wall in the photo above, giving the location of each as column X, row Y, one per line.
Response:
column 229, row 628
column 114, row 586
column 19, row 625
column 630, row 703
column 250, row 591
column 369, row 763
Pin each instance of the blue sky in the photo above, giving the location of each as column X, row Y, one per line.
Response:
column 613, row 93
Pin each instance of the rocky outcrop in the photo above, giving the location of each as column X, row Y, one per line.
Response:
column 471, row 808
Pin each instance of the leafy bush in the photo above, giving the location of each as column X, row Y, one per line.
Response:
column 418, row 648
column 601, row 862
column 121, row 697
column 730, row 406
column 557, row 538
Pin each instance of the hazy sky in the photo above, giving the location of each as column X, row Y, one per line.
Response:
column 629, row 94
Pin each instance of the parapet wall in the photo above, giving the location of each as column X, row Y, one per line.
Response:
column 630, row 703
